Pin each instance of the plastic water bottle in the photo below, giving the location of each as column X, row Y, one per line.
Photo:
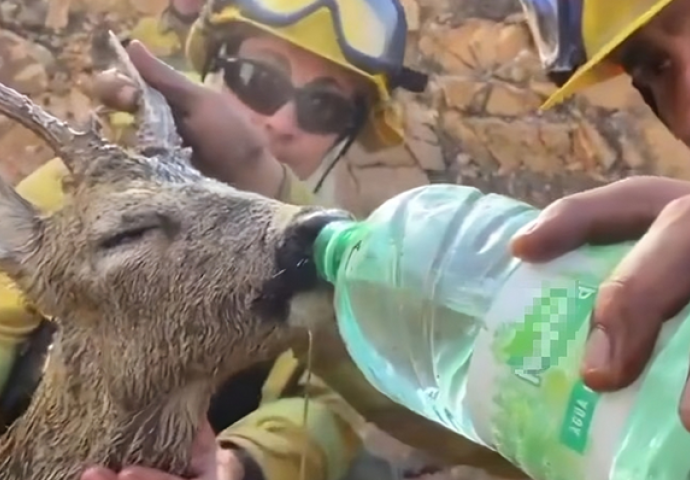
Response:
column 441, row 318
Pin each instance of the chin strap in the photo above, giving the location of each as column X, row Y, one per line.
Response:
column 346, row 139
column 648, row 97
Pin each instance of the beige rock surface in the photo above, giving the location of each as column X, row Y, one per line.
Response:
column 483, row 120
column 477, row 124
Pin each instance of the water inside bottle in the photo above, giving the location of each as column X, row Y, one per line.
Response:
column 414, row 288
column 401, row 323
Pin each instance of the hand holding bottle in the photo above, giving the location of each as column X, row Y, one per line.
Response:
column 650, row 285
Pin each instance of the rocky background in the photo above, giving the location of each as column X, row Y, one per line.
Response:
column 478, row 123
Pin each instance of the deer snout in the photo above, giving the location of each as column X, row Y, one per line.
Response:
column 295, row 254
column 296, row 274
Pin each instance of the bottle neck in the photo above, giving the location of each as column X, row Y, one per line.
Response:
column 331, row 244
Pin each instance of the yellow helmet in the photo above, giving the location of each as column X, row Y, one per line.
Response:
column 365, row 36
column 574, row 38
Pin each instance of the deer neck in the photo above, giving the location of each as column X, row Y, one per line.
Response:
column 75, row 421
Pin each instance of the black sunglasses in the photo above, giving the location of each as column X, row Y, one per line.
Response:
column 266, row 89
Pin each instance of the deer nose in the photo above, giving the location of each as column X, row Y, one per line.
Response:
column 295, row 268
column 295, row 253
column 307, row 226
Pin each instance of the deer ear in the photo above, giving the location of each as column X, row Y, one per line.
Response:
column 20, row 227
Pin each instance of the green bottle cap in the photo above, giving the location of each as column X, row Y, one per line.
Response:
column 332, row 243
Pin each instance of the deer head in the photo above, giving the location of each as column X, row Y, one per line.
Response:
column 162, row 276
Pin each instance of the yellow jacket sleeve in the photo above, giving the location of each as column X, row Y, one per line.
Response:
column 43, row 188
column 282, row 439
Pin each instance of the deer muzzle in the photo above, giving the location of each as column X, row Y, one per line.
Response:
column 296, row 272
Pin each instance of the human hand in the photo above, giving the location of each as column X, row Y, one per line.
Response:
column 226, row 145
column 209, row 462
column 649, row 286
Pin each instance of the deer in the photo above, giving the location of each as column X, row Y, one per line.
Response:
column 162, row 282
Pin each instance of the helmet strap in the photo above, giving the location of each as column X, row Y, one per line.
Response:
column 648, row 97
column 346, row 138
column 410, row 80
column 209, row 62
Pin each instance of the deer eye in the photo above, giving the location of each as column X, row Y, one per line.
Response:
column 125, row 237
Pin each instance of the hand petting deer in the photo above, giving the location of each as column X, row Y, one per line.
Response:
column 163, row 284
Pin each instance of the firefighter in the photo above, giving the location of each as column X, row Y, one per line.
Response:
column 582, row 43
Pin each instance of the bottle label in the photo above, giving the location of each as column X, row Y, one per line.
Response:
column 540, row 413
column 525, row 395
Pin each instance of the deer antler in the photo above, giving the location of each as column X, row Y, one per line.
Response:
column 72, row 146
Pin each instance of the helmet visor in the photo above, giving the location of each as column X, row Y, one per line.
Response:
column 371, row 33
column 556, row 28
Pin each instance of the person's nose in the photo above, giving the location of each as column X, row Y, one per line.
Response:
column 282, row 125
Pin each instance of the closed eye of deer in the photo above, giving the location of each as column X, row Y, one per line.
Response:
column 131, row 235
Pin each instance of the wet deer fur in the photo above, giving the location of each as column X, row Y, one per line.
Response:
column 163, row 283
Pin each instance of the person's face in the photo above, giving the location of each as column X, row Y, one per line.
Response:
column 187, row 7
column 330, row 101
column 658, row 57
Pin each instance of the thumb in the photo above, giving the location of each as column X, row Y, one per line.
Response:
column 613, row 213
column 205, row 440
column 180, row 92
column 98, row 473
column 204, row 448
column 551, row 235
